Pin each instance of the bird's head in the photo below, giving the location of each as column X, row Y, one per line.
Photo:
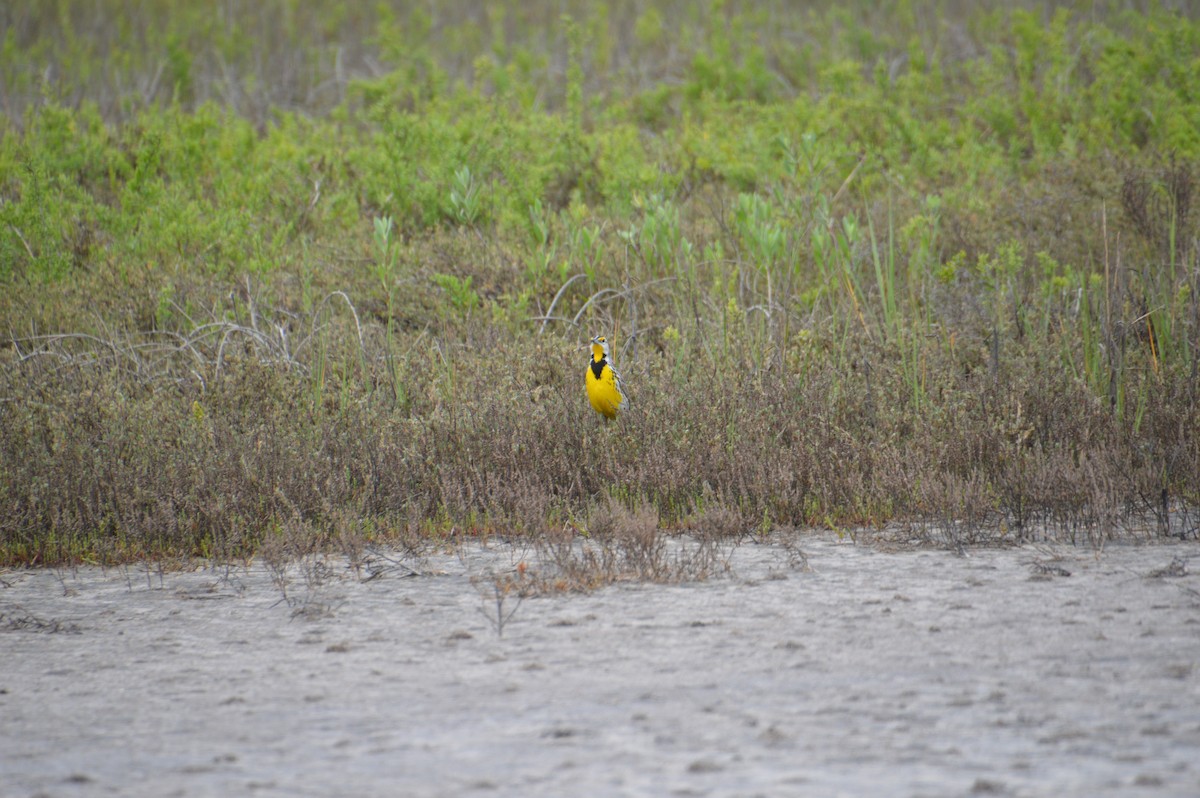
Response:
column 599, row 347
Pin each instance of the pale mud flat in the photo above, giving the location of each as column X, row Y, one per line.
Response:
column 870, row 673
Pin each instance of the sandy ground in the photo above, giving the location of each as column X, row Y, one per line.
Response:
column 1050, row 671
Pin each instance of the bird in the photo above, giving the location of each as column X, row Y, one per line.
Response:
column 604, row 388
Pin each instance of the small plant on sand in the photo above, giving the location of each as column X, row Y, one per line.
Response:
column 502, row 595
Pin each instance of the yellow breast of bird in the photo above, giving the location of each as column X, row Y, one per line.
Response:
column 602, row 390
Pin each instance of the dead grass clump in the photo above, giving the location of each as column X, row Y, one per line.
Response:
column 958, row 510
column 635, row 537
column 718, row 523
column 301, row 568
column 18, row 619
column 1158, row 205
column 621, row 545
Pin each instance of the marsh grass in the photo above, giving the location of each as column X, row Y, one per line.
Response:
column 902, row 276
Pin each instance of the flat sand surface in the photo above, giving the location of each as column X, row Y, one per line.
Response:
column 1039, row 671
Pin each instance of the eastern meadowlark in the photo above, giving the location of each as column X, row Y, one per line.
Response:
column 603, row 381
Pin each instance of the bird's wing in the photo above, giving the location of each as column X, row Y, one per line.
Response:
column 619, row 383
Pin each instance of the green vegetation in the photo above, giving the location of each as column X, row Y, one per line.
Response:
column 323, row 270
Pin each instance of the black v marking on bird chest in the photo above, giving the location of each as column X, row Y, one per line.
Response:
column 598, row 367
